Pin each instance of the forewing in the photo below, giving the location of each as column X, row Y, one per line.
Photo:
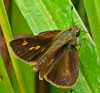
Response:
column 32, row 47
column 65, row 68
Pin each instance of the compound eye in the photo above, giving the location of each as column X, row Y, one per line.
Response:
column 77, row 33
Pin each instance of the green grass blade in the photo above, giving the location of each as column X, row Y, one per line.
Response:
column 21, row 27
column 81, row 10
column 18, row 66
column 5, row 84
column 93, row 13
column 40, row 19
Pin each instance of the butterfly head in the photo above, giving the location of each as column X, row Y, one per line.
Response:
column 75, row 31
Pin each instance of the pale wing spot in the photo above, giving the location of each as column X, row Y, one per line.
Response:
column 37, row 47
column 24, row 43
column 67, row 71
column 31, row 48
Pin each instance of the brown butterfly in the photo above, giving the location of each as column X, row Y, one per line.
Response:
column 53, row 53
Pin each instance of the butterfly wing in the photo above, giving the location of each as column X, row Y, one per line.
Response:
column 65, row 69
column 32, row 47
column 46, row 59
